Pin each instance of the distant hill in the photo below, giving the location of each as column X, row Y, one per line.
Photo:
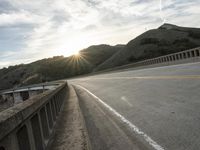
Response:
column 164, row 40
column 55, row 68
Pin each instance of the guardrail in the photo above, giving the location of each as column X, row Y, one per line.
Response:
column 44, row 86
column 29, row 125
column 11, row 97
column 191, row 55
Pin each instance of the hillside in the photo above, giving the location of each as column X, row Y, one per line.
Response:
column 164, row 40
column 55, row 68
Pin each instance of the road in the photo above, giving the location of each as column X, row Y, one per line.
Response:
column 153, row 108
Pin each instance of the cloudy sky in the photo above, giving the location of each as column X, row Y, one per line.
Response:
column 36, row 29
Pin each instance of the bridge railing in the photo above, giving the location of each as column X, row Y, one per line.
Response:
column 191, row 55
column 11, row 97
column 44, row 86
column 30, row 125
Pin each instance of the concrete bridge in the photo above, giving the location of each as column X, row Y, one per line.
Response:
column 152, row 104
column 11, row 97
column 28, row 125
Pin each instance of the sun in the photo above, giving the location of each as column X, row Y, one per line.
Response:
column 76, row 53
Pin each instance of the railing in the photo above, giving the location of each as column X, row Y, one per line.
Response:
column 14, row 96
column 43, row 86
column 30, row 125
column 190, row 55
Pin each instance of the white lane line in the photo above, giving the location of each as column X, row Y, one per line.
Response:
column 128, row 123
column 126, row 100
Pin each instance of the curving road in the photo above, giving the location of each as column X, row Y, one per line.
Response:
column 163, row 103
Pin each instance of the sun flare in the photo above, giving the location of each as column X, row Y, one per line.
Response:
column 76, row 53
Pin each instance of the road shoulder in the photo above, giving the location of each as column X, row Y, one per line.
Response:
column 70, row 131
column 104, row 131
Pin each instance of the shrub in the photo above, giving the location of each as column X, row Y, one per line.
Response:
column 149, row 41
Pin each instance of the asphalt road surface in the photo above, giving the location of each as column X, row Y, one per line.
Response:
column 154, row 108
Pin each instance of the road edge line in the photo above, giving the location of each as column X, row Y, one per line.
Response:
column 134, row 128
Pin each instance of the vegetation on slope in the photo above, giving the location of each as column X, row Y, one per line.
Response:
column 55, row 68
column 164, row 40
column 153, row 43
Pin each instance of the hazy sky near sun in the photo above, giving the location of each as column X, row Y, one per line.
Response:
column 35, row 29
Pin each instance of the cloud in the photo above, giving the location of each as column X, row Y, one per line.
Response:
column 161, row 15
column 12, row 19
column 6, row 7
column 90, row 27
column 38, row 29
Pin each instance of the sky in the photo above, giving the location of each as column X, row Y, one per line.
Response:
column 35, row 29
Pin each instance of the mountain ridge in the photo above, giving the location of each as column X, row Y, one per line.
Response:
column 166, row 39
column 55, row 68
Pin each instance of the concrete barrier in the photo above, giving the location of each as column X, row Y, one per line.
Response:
column 191, row 55
column 30, row 125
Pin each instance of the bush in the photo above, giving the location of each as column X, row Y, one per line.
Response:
column 149, row 41
column 194, row 35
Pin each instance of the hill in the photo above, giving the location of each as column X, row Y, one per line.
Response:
column 164, row 40
column 55, row 68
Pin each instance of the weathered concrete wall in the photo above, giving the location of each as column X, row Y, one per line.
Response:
column 17, row 98
column 34, row 92
column 29, row 125
column 6, row 101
